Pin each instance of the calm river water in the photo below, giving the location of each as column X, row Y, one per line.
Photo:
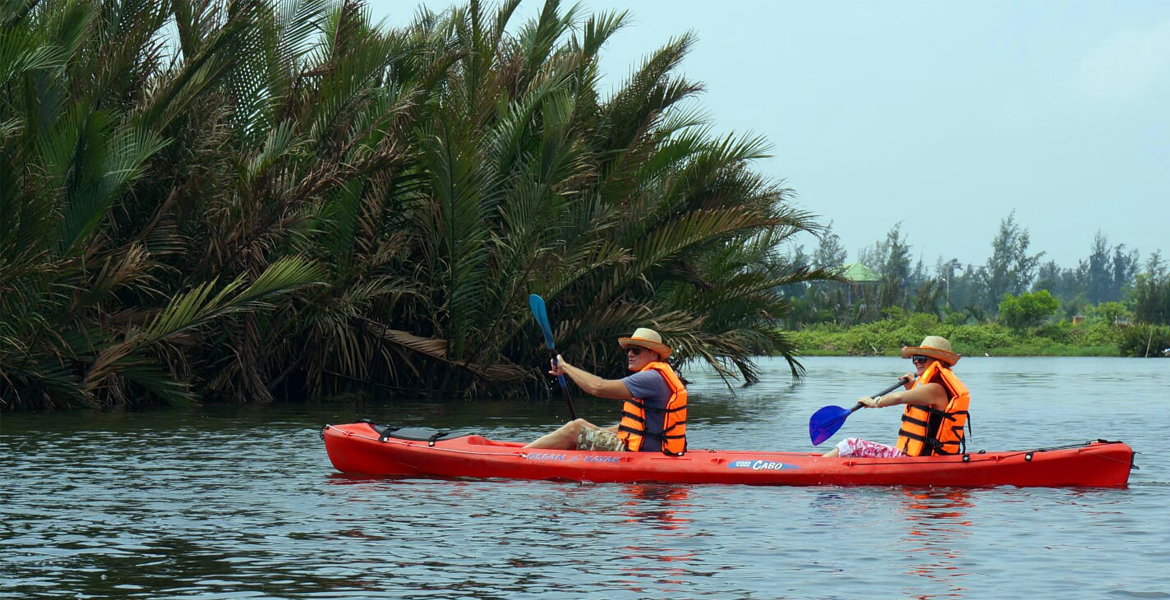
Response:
column 243, row 503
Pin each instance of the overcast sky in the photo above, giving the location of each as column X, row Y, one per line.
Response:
column 945, row 116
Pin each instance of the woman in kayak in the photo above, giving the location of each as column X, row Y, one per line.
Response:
column 936, row 407
column 654, row 415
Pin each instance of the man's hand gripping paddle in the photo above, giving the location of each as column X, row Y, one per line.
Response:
column 536, row 303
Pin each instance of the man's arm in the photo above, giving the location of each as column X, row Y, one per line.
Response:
column 589, row 383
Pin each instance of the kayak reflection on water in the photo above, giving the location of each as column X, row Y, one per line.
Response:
column 657, row 559
column 937, row 519
column 658, row 503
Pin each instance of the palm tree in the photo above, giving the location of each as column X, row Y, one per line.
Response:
column 379, row 201
column 92, row 309
column 620, row 212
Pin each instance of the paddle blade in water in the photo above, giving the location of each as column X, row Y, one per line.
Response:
column 825, row 422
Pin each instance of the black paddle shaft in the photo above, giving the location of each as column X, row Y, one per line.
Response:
column 564, row 390
column 901, row 382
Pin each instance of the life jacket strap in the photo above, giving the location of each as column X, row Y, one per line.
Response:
column 911, row 420
column 914, row 436
column 662, row 436
column 629, row 429
column 633, row 417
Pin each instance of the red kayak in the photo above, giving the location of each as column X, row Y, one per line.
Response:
column 372, row 449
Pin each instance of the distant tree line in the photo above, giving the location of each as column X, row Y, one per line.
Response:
column 1015, row 285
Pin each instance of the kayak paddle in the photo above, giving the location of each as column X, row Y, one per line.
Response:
column 536, row 303
column 826, row 421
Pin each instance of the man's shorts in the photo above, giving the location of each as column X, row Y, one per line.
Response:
column 599, row 439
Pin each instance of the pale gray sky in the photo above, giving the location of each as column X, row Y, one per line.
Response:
column 945, row 116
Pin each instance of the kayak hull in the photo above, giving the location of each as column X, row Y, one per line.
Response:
column 359, row 448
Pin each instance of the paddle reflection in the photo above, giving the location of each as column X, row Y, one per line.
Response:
column 938, row 519
column 657, row 515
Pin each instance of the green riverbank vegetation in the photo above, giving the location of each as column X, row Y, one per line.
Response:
column 1093, row 337
column 245, row 200
column 1013, row 305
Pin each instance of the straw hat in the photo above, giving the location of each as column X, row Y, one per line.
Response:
column 935, row 347
column 646, row 338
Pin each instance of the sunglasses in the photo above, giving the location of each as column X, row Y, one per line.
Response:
column 634, row 350
column 919, row 359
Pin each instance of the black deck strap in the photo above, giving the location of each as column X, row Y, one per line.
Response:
column 372, row 425
column 1132, row 457
column 1064, row 447
column 385, row 433
column 416, row 434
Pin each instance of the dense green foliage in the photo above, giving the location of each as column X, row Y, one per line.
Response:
column 1144, row 340
column 888, row 336
column 381, row 202
column 1027, row 310
column 1151, row 299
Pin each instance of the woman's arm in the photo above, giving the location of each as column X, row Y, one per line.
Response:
column 930, row 394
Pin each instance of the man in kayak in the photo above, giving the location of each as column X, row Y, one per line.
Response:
column 936, row 407
column 654, row 413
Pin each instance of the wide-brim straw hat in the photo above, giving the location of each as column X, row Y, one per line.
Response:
column 646, row 338
column 935, row 347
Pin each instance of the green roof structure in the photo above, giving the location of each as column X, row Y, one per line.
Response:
column 858, row 272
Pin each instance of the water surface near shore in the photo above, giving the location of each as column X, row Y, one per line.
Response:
column 241, row 502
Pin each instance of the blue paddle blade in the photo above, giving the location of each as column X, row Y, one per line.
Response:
column 536, row 303
column 825, row 422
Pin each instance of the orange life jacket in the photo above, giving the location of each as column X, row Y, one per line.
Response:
column 632, row 429
column 925, row 430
